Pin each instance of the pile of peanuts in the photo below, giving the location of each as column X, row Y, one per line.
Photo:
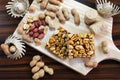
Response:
column 39, row 68
column 81, row 45
column 57, row 43
column 33, row 30
column 53, row 9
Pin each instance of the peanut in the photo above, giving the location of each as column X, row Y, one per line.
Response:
column 91, row 64
column 46, row 68
column 32, row 9
column 37, row 41
column 51, row 71
column 27, row 38
column 52, row 8
column 35, row 69
column 37, row 58
column 104, row 43
column 40, row 64
column 5, row 48
column 50, row 14
column 13, row 49
column 66, row 13
column 55, row 2
column 60, row 0
column 39, row 1
column 43, row 4
column 104, row 46
column 20, row 28
column 49, row 22
column 36, row 76
column 41, row 73
column 60, row 16
column 76, row 16
column 33, row 63
column 41, row 16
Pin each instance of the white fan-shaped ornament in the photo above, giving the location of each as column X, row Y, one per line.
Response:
column 107, row 9
column 17, row 8
column 19, row 44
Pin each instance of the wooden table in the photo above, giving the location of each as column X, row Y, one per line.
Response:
column 20, row 69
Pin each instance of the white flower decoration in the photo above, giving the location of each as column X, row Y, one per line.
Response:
column 18, row 43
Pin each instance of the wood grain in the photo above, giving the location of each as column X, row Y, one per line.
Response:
column 20, row 70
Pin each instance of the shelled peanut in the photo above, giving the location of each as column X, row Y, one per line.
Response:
column 39, row 68
column 34, row 30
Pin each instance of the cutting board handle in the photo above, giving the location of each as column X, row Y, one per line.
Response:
column 114, row 53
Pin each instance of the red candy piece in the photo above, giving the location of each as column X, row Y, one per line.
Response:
column 41, row 36
column 41, row 30
column 35, row 30
column 35, row 35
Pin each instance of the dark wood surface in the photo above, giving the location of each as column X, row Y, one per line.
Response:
column 20, row 69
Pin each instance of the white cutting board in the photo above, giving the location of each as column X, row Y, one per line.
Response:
column 78, row 63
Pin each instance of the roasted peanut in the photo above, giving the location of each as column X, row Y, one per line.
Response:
column 36, row 76
column 37, row 58
column 35, row 69
column 41, row 16
column 50, row 22
column 37, row 41
column 39, row 1
column 43, row 4
column 27, row 38
column 13, row 49
column 41, row 73
column 40, row 64
column 52, row 8
column 32, row 9
column 55, row 2
column 50, row 14
column 76, row 16
column 60, row 0
column 51, row 71
column 66, row 13
column 20, row 28
column 5, row 48
column 60, row 16
column 46, row 68
column 104, row 43
column 33, row 63
column 91, row 64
